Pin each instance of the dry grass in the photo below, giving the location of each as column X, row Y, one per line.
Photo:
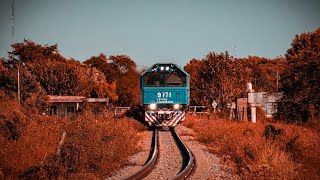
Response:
column 94, row 145
column 290, row 152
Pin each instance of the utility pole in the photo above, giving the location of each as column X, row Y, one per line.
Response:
column 18, row 85
column 277, row 80
column 12, row 33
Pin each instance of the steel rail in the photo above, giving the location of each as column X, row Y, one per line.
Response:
column 188, row 158
column 151, row 161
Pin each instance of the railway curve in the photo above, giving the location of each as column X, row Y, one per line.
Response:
column 163, row 153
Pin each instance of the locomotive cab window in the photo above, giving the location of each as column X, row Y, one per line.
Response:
column 176, row 79
column 154, row 79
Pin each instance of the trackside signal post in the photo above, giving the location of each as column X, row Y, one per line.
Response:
column 214, row 105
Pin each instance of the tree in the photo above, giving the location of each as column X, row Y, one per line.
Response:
column 216, row 77
column 263, row 73
column 300, row 80
column 193, row 68
column 32, row 93
column 101, row 63
column 123, row 64
column 128, row 80
column 56, row 74
column 120, row 72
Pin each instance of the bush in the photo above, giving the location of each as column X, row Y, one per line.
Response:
column 94, row 146
column 261, row 150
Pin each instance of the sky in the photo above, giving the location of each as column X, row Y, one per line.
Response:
column 152, row 31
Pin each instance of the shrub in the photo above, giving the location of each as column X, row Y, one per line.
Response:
column 261, row 150
column 93, row 146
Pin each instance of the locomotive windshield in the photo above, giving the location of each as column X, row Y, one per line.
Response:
column 154, row 79
column 158, row 79
column 175, row 79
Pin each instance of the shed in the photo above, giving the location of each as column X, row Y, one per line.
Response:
column 267, row 101
column 242, row 109
column 64, row 106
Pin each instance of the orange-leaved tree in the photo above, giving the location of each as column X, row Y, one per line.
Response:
column 216, row 77
column 121, row 76
column 262, row 72
column 128, row 80
column 300, row 80
column 56, row 74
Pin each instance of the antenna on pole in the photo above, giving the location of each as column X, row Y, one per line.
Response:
column 12, row 20
column 235, row 53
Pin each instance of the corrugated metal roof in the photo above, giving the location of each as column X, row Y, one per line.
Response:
column 54, row 98
column 97, row 99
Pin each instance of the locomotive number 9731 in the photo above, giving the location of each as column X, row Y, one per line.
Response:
column 164, row 95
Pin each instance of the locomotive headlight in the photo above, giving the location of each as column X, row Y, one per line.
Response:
column 176, row 106
column 167, row 68
column 161, row 68
column 152, row 106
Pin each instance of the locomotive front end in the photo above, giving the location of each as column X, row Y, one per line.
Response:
column 164, row 95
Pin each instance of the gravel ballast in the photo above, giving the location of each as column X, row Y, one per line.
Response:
column 208, row 165
column 138, row 160
column 170, row 160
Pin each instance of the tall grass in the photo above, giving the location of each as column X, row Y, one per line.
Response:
column 94, row 145
column 287, row 152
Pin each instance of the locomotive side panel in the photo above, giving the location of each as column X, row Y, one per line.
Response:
column 165, row 96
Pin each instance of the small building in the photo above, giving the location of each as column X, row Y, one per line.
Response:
column 246, row 106
column 266, row 101
column 65, row 106
column 242, row 109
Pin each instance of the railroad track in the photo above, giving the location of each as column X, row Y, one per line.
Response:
column 152, row 162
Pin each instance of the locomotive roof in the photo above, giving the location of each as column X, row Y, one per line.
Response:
column 163, row 64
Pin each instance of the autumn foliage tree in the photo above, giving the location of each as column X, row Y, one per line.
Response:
column 57, row 75
column 120, row 72
column 262, row 72
column 216, row 77
column 29, row 140
column 300, row 80
column 193, row 68
column 31, row 94
column 128, row 80
column 223, row 78
column 104, row 65
column 114, row 77
column 44, row 71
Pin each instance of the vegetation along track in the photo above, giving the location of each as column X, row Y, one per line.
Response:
column 167, row 154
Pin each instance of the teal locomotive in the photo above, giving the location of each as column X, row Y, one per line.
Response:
column 164, row 95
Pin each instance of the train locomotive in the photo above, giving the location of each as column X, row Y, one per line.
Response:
column 164, row 95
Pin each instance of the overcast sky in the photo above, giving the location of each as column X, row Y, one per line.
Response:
column 159, row 31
